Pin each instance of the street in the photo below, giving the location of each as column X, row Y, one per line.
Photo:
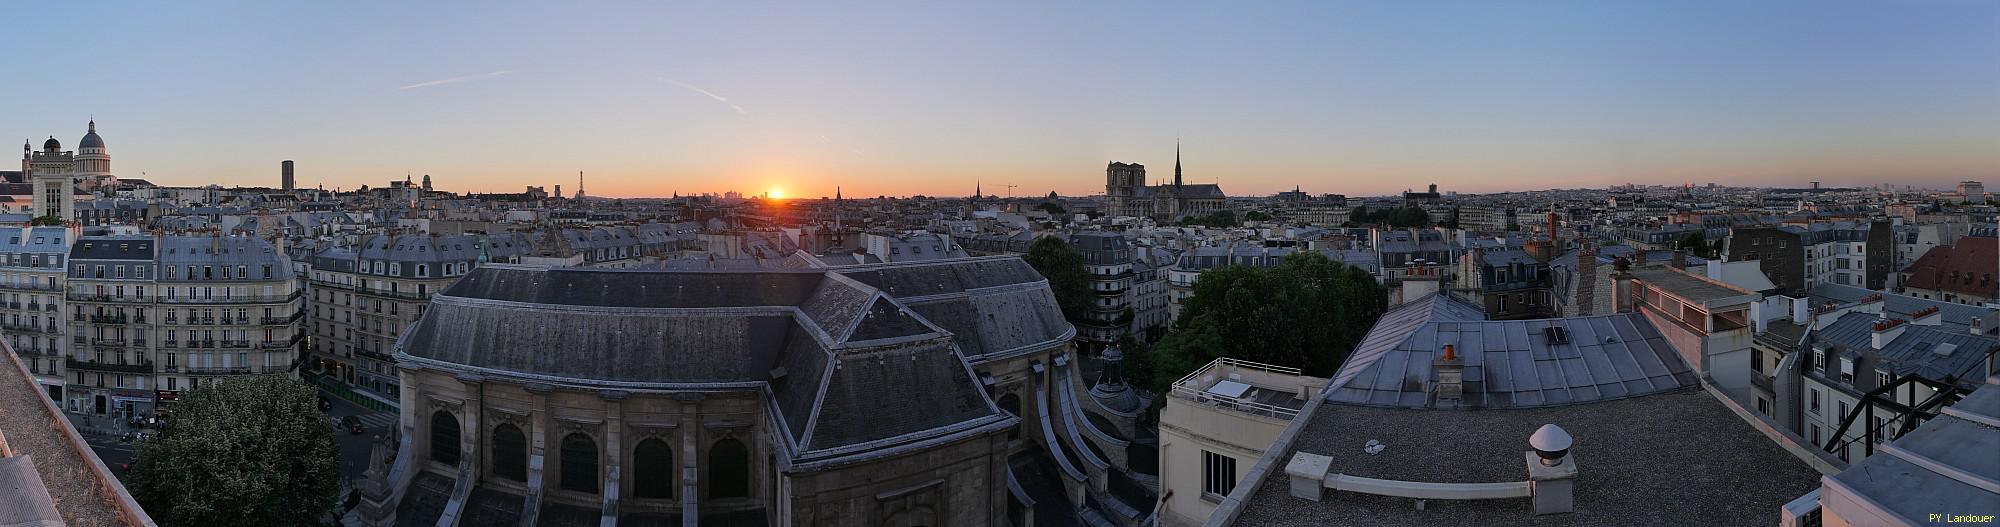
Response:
column 103, row 433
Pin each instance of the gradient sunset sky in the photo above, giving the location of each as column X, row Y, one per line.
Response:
column 902, row 98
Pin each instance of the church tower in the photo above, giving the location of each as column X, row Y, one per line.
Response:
column 53, row 172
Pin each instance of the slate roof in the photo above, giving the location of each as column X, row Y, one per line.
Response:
column 1508, row 364
column 855, row 358
column 1901, row 306
column 1933, row 352
column 1916, row 478
column 1672, row 458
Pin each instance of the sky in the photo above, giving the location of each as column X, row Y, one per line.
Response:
column 903, row 98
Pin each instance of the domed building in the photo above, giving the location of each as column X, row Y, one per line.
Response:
column 876, row 395
column 58, row 174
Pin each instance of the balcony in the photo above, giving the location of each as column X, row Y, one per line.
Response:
column 107, row 319
column 236, row 344
column 1762, row 381
column 34, row 306
column 140, row 368
column 282, row 321
column 88, row 297
column 13, row 305
column 246, row 299
column 170, row 344
column 219, row 370
column 401, row 295
column 108, row 343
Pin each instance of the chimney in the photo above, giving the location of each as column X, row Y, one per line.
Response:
column 1976, row 326
column 1713, row 270
column 1929, row 316
column 1680, row 260
column 1552, row 228
column 1639, row 258
column 1451, row 376
column 1801, row 311
column 1885, row 332
column 1586, row 279
column 1869, row 304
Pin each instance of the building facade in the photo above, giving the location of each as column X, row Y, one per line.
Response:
column 364, row 295
column 152, row 316
column 31, row 282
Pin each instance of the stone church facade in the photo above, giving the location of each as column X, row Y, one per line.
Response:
column 878, row 395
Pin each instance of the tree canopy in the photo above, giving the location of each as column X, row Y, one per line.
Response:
column 45, row 221
column 1063, row 267
column 253, row 451
column 1218, row 219
column 1052, row 208
column 1400, row 217
column 1308, row 312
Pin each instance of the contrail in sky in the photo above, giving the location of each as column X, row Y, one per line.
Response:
column 440, row 82
column 710, row 94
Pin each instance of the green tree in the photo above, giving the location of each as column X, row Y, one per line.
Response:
column 1308, row 312
column 1052, row 208
column 1256, row 215
column 45, row 221
column 253, row 451
column 1063, row 267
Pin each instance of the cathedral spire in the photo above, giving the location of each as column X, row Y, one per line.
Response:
column 1177, row 163
column 976, row 192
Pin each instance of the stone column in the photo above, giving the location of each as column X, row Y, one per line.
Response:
column 469, row 431
column 690, row 429
column 538, row 435
column 614, row 450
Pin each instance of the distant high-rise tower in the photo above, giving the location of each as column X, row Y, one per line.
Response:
column 427, row 182
column 558, row 191
column 1972, row 191
column 579, row 184
column 285, row 181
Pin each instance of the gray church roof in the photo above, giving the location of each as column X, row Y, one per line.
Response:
column 851, row 356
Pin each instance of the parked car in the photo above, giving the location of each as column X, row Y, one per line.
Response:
column 353, row 424
column 325, row 404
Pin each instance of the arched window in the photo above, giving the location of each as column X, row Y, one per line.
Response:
column 728, row 469
column 654, row 472
column 579, row 463
column 444, row 437
column 510, row 452
column 1011, row 404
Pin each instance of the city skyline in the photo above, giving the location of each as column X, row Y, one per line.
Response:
column 1354, row 99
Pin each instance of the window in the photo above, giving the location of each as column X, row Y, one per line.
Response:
column 1815, row 435
column 1812, row 401
column 444, row 438
column 1843, row 410
column 1218, row 474
column 1757, row 360
column 653, row 471
column 510, row 452
column 1883, row 378
column 728, row 469
column 1763, row 406
column 1819, row 360
column 579, row 463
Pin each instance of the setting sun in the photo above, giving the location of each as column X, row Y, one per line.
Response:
column 775, row 193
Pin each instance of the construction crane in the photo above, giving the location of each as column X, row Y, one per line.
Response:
column 1010, row 190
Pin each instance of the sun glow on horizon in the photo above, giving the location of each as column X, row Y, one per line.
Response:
column 775, row 193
